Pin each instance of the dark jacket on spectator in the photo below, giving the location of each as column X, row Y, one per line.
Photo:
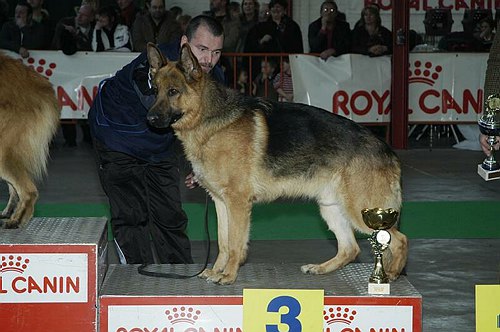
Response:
column 145, row 30
column 286, row 37
column 340, row 38
column 362, row 41
column 69, row 44
column 34, row 37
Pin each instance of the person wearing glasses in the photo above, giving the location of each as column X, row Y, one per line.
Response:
column 329, row 35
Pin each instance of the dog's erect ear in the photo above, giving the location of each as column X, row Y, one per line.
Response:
column 155, row 58
column 190, row 64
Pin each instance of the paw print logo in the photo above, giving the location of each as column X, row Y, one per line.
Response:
column 42, row 67
column 339, row 315
column 424, row 73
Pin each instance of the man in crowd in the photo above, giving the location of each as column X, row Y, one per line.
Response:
column 156, row 25
column 23, row 34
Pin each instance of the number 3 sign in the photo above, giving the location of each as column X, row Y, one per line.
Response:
column 282, row 310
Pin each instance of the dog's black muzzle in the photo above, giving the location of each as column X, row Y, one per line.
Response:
column 162, row 120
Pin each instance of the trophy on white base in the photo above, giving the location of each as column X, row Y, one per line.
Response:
column 489, row 125
column 379, row 220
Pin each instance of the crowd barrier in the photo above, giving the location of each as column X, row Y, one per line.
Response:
column 443, row 87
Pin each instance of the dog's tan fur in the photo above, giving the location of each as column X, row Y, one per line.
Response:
column 226, row 138
column 29, row 114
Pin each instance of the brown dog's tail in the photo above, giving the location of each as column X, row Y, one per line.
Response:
column 38, row 141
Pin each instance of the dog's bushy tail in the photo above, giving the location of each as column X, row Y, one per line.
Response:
column 38, row 141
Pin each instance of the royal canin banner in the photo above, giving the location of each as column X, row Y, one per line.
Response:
column 443, row 87
column 225, row 314
column 43, row 278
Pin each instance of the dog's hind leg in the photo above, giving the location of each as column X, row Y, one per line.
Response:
column 11, row 204
column 348, row 248
column 395, row 260
column 19, row 178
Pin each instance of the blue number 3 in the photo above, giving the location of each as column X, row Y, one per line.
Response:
column 289, row 318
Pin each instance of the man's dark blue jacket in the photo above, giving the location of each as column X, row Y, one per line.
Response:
column 117, row 118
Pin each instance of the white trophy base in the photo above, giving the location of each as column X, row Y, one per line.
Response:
column 488, row 175
column 379, row 289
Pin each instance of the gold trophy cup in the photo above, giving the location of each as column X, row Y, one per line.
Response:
column 379, row 220
column 489, row 125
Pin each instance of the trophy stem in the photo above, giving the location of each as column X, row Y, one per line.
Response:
column 378, row 275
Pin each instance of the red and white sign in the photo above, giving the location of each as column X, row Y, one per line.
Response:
column 443, row 87
column 37, row 278
column 225, row 313
column 47, row 287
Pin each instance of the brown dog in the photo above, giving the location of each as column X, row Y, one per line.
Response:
column 244, row 150
column 29, row 114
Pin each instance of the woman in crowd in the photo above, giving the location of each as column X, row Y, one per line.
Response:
column 108, row 34
column 369, row 37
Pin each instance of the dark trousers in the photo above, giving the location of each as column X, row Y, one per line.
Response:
column 146, row 211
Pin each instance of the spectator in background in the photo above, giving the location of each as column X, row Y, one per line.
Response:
column 128, row 11
column 74, row 33
column 234, row 10
column 329, row 35
column 262, row 85
column 176, row 11
column 156, row 25
column 486, row 34
column 283, row 83
column 278, row 34
column 40, row 14
column 183, row 21
column 248, row 19
column 369, row 37
column 4, row 12
column 242, row 82
column 264, row 12
column 108, row 34
column 23, row 34
column 220, row 10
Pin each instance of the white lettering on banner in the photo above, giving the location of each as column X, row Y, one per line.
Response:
column 441, row 87
column 47, row 278
column 229, row 318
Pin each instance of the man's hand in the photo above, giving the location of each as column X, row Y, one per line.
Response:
column 191, row 181
column 24, row 52
column 483, row 140
column 327, row 53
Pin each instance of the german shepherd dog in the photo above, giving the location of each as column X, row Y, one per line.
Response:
column 29, row 117
column 245, row 150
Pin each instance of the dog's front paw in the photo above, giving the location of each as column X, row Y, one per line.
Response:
column 312, row 269
column 207, row 273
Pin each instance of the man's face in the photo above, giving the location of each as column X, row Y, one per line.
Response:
column 122, row 4
column 206, row 47
column 329, row 11
column 277, row 12
column 21, row 16
column 84, row 16
column 157, row 9
column 216, row 5
column 248, row 6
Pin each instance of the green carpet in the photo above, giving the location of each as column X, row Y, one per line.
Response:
column 289, row 221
